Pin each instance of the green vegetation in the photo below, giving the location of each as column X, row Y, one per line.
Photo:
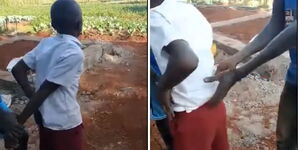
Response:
column 240, row 3
column 102, row 17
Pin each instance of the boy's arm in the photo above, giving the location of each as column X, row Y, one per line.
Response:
column 273, row 28
column 282, row 42
column 182, row 62
column 37, row 100
column 19, row 72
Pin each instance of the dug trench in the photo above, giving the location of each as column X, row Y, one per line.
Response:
column 112, row 95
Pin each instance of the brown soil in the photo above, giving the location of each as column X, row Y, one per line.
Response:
column 244, row 31
column 219, row 13
column 12, row 50
column 118, row 93
column 93, row 35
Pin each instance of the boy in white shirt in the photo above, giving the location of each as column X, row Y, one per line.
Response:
column 58, row 63
column 181, row 40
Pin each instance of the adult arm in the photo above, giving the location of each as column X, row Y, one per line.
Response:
column 282, row 42
column 271, row 30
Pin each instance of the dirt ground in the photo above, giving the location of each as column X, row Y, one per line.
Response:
column 244, row 31
column 113, row 99
column 220, row 13
column 7, row 50
column 251, row 104
column 119, row 118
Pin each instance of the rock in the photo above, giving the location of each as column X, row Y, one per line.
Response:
column 111, row 58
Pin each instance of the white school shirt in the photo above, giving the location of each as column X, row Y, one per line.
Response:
column 58, row 59
column 173, row 20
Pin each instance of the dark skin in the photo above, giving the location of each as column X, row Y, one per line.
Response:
column 36, row 99
column 10, row 128
column 154, row 3
column 182, row 62
column 271, row 42
column 20, row 70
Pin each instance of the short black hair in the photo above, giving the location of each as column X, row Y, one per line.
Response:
column 66, row 17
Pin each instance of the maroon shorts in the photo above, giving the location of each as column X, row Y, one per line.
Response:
column 71, row 139
column 201, row 129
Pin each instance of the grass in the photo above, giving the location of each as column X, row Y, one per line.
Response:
column 32, row 2
column 106, row 18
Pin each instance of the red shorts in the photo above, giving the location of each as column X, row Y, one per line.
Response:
column 71, row 139
column 201, row 129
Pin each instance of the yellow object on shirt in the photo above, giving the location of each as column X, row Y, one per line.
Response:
column 214, row 49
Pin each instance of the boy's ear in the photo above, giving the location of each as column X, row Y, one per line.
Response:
column 54, row 25
column 79, row 27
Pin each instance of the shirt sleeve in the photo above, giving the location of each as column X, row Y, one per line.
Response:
column 30, row 59
column 66, row 70
column 162, row 31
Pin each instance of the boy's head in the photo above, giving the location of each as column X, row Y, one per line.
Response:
column 66, row 17
column 154, row 3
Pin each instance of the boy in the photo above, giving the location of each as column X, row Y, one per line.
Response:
column 279, row 35
column 181, row 40
column 58, row 63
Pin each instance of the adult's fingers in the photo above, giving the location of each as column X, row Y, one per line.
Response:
column 11, row 142
column 19, row 129
column 210, row 79
column 9, row 138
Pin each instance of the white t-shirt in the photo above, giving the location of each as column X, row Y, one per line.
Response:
column 173, row 20
column 58, row 59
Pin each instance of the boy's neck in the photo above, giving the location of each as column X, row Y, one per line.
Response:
column 68, row 34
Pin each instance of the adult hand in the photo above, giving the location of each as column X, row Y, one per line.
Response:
column 164, row 95
column 12, row 129
column 226, row 80
column 10, row 141
column 226, row 65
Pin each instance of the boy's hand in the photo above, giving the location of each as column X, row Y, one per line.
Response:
column 164, row 95
column 226, row 80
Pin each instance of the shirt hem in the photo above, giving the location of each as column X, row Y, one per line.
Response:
column 66, row 128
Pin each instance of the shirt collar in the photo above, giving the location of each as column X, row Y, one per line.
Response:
column 69, row 37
